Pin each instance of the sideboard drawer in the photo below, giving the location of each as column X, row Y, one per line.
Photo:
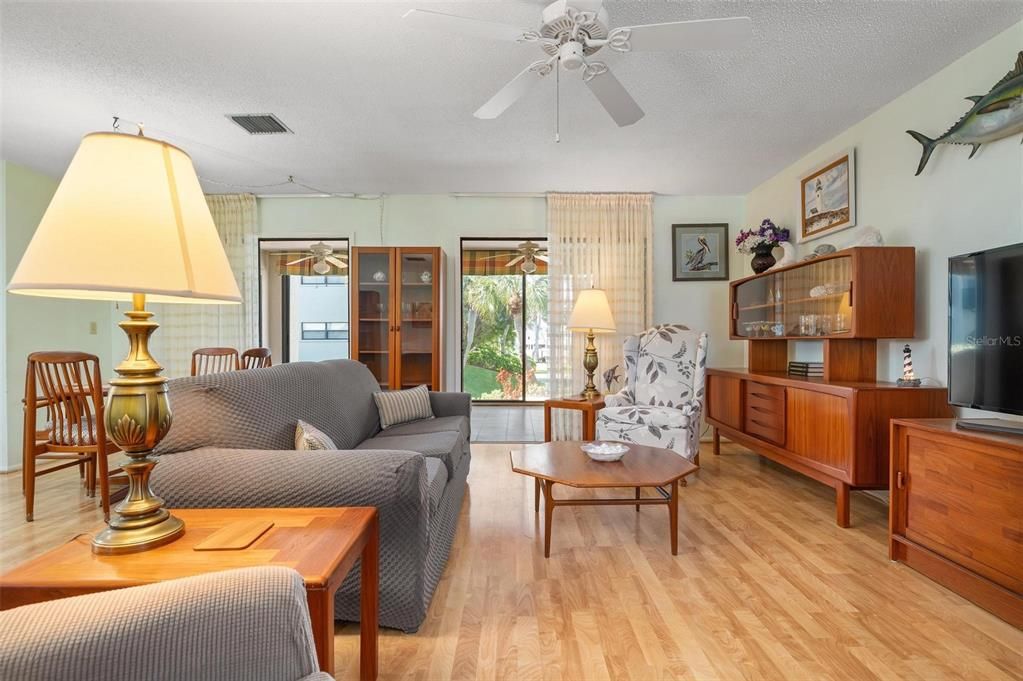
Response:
column 765, row 412
column 765, row 394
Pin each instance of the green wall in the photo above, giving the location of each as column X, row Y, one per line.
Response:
column 33, row 324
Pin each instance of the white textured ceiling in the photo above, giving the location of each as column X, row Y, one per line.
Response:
column 379, row 107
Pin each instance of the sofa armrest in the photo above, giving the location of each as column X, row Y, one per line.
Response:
column 233, row 625
column 450, row 404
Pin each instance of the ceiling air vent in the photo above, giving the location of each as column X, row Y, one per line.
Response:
column 260, row 124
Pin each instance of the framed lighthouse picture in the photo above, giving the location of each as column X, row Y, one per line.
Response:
column 699, row 252
column 827, row 197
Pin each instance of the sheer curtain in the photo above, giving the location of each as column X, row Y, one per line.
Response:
column 604, row 241
column 184, row 328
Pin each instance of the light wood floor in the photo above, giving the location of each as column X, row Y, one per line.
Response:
column 764, row 587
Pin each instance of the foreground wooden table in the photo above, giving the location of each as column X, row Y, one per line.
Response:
column 322, row 544
column 564, row 463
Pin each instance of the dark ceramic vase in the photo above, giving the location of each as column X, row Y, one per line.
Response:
column 763, row 259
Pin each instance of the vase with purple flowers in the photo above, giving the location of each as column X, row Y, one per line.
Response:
column 760, row 242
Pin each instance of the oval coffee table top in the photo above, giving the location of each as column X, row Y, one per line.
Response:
column 565, row 463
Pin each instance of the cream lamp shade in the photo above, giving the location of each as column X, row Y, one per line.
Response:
column 592, row 312
column 128, row 217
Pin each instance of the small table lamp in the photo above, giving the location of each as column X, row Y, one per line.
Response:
column 129, row 220
column 591, row 314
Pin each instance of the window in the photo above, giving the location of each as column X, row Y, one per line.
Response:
column 324, row 330
column 329, row 280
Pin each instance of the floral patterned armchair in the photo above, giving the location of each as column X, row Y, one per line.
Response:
column 662, row 401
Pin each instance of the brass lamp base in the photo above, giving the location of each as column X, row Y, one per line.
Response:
column 590, row 364
column 141, row 522
column 137, row 417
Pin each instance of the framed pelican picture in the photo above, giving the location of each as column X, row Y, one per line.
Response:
column 827, row 197
column 699, row 252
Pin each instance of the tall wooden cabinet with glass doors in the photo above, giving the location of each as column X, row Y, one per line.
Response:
column 396, row 314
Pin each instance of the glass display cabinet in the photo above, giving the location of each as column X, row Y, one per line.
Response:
column 809, row 300
column 396, row 321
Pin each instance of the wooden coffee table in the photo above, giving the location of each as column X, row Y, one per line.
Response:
column 564, row 463
column 322, row 544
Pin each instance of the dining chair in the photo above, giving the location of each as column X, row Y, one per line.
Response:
column 256, row 358
column 68, row 386
column 214, row 361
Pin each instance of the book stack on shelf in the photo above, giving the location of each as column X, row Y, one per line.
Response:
column 808, row 369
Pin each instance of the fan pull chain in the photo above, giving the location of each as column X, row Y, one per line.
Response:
column 557, row 103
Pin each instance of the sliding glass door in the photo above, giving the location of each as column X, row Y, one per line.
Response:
column 304, row 297
column 504, row 320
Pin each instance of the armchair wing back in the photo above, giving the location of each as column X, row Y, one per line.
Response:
column 662, row 401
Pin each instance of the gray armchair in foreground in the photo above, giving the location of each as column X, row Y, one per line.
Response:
column 239, row 625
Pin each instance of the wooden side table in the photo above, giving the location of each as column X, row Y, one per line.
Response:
column 588, row 406
column 322, row 544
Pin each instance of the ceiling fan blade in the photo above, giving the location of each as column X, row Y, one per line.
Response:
column 613, row 96
column 300, row 260
column 512, row 263
column 452, row 23
column 515, row 89
column 542, row 258
column 340, row 264
column 701, row 34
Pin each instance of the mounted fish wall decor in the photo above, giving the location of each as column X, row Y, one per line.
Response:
column 993, row 116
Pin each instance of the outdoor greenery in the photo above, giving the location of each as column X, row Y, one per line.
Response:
column 494, row 320
column 488, row 357
column 479, row 382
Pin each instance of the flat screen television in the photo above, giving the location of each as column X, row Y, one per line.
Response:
column 985, row 332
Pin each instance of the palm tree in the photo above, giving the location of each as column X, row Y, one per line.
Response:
column 488, row 299
column 537, row 299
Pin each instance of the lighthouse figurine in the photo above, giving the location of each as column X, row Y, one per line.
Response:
column 908, row 380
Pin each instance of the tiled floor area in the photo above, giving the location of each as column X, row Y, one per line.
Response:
column 507, row 424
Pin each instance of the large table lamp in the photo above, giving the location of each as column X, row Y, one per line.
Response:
column 591, row 314
column 129, row 222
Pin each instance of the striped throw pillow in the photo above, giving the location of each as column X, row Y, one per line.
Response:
column 402, row 406
column 310, row 438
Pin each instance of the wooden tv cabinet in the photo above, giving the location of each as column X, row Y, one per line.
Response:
column 956, row 513
column 833, row 429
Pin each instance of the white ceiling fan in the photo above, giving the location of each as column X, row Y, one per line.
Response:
column 324, row 258
column 571, row 32
column 529, row 253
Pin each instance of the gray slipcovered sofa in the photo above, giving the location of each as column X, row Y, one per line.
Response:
column 231, row 445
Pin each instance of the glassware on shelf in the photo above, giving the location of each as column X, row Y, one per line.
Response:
column 838, row 323
column 807, row 325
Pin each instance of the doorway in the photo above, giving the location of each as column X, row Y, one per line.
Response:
column 504, row 295
column 304, row 299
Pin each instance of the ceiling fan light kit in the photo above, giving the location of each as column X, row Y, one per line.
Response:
column 570, row 32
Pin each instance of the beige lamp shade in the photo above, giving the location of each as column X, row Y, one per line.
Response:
column 592, row 312
column 128, row 217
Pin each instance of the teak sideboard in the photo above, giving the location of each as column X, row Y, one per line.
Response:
column 834, row 428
